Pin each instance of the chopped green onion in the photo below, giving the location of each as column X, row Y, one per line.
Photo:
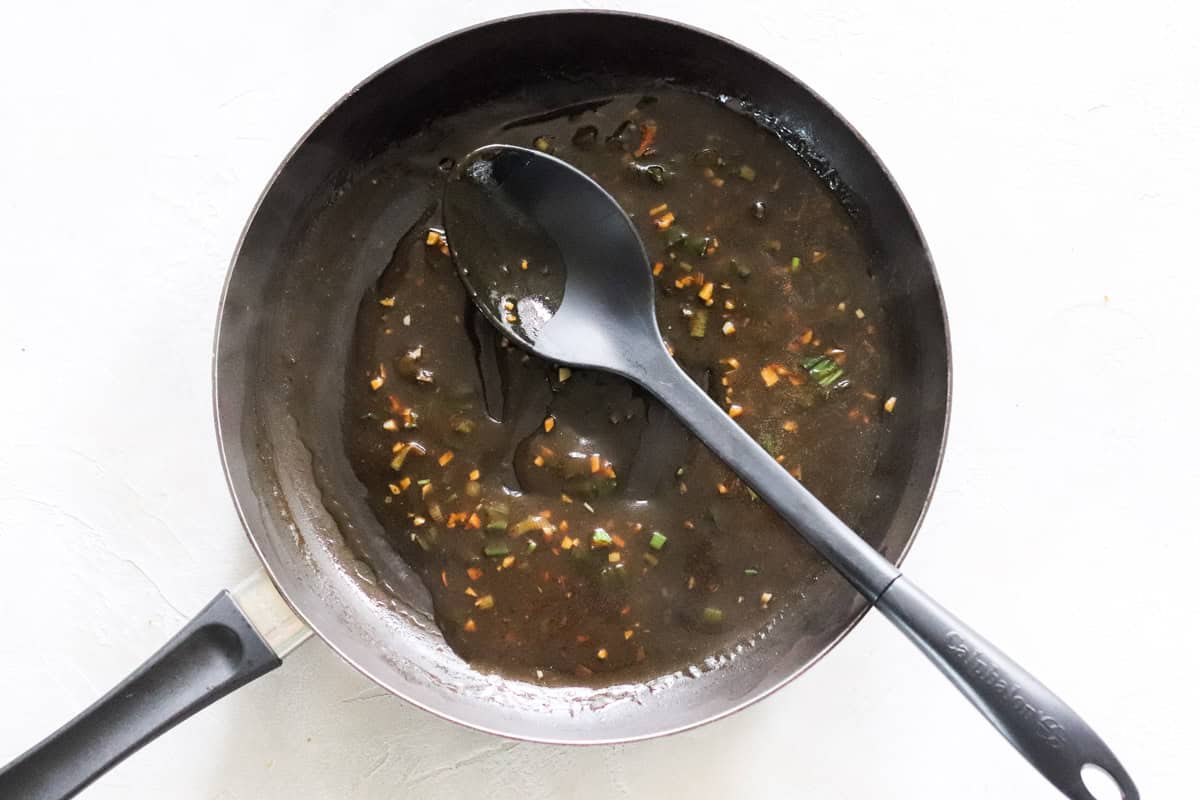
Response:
column 423, row 482
column 795, row 263
column 713, row 616
column 824, row 370
column 657, row 540
column 699, row 245
column 746, row 172
column 698, row 325
column 495, row 549
column 398, row 459
column 601, row 538
column 750, row 571
column 530, row 546
column 613, row 575
column 497, row 516
column 676, row 236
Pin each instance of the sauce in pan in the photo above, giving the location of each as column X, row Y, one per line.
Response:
column 568, row 528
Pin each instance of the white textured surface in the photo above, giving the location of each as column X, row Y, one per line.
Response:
column 1053, row 159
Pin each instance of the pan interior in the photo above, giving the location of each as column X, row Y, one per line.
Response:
column 323, row 232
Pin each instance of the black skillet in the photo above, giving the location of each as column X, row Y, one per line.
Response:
column 317, row 239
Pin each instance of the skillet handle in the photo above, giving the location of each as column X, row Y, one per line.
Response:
column 215, row 653
column 1044, row 729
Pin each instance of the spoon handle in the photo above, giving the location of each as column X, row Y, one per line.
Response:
column 1052, row 737
column 1044, row 729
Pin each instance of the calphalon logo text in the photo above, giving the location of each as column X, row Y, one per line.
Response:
column 1048, row 728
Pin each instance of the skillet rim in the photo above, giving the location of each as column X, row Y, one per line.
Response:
column 241, row 503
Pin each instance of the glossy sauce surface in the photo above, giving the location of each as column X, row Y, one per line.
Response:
column 567, row 526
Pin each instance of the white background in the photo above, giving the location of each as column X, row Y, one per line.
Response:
column 1052, row 157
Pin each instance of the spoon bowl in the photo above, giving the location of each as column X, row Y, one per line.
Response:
column 586, row 295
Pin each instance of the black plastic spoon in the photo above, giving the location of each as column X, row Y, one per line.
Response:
column 553, row 261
